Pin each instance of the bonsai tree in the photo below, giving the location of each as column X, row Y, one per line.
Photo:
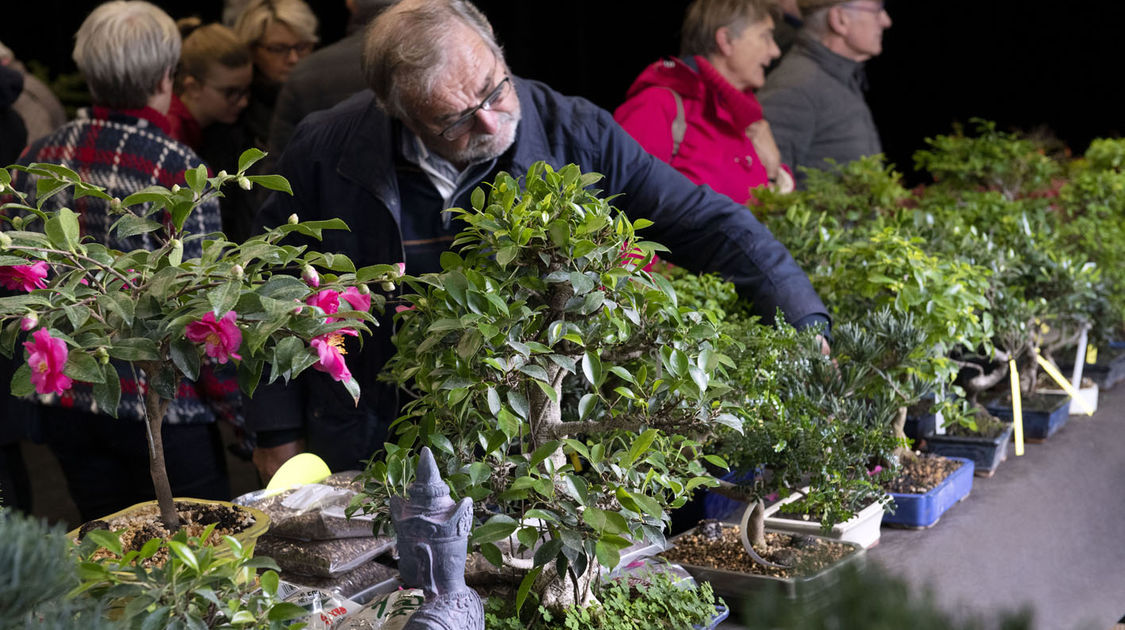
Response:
column 560, row 385
column 92, row 311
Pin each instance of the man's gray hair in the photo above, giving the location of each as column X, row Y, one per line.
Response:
column 125, row 48
column 406, row 48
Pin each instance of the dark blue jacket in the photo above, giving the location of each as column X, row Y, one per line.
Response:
column 340, row 164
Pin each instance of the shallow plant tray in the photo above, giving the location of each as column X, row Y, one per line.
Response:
column 721, row 614
column 986, row 453
column 861, row 529
column 737, row 588
column 924, row 510
column 1038, row 424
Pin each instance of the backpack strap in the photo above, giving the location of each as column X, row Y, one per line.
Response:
column 679, row 123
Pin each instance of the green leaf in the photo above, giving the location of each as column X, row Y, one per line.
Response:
column 184, row 553
column 492, row 553
column 196, row 178
column 493, row 401
column 604, row 521
column 21, row 381
column 548, row 390
column 582, row 283
column 185, row 356
column 272, row 182
column 640, row 446
column 224, row 298
column 107, row 392
column 608, row 555
column 716, row 460
column 131, row 225
column 527, row 582
column 248, row 158
column 623, row 374
column 577, row 488
column 134, row 349
column 497, row 528
column 285, row 611
column 477, row 198
column 106, row 539
column 242, row 618
column 548, row 551
column 543, row 452
column 518, row 402
column 586, row 406
column 592, row 368
column 508, row 423
column 62, row 229
column 82, row 366
column 138, row 605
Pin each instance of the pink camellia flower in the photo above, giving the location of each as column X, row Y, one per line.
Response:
column 875, row 471
column 220, row 339
column 359, row 301
column 24, row 277
column 330, row 348
column 402, row 308
column 29, row 321
column 401, row 268
column 48, row 357
column 327, row 301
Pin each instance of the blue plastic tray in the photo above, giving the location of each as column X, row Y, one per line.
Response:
column 721, row 614
column 1037, row 425
column 986, row 453
column 923, row 510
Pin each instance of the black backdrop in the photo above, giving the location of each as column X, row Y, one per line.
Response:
column 1023, row 63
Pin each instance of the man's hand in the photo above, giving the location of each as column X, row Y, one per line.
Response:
column 764, row 145
column 825, row 349
column 269, row 459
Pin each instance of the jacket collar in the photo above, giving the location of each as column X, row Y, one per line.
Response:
column 531, row 135
column 844, row 70
column 140, row 117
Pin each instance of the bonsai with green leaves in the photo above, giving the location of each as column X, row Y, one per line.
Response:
column 560, row 385
column 92, row 311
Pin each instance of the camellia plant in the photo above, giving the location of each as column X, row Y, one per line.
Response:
column 94, row 313
column 558, row 384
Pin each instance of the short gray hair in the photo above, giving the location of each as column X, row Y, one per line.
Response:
column 405, row 49
column 704, row 18
column 125, row 48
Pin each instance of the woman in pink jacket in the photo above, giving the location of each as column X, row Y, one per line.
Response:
column 698, row 112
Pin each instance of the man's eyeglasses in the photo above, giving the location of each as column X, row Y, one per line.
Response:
column 233, row 93
column 465, row 122
column 878, row 8
column 301, row 49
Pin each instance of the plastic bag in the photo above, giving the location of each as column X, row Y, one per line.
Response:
column 310, row 512
column 321, row 558
column 327, row 610
column 357, row 584
column 390, row 612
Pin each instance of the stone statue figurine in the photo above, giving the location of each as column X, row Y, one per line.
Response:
column 433, row 535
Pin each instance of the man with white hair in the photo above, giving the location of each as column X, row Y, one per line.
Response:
column 814, row 99
column 128, row 51
column 445, row 114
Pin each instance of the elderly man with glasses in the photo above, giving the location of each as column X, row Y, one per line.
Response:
column 814, row 99
column 445, row 114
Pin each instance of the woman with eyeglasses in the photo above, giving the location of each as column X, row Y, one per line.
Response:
column 211, row 89
column 698, row 112
column 279, row 33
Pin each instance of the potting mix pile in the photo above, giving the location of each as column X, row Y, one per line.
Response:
column 804, row 555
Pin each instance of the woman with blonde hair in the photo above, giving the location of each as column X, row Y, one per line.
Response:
column 212, row 82
column 279, row 33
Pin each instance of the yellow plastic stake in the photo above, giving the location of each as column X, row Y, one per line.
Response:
column 1054, row 373
column 1017, row 407
column 1091, row 354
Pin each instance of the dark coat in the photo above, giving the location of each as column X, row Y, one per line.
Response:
column 814, row 103
column 340, row 164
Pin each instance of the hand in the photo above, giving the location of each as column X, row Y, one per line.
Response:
column 762, row 138
column 269, row 459
column 825, row 349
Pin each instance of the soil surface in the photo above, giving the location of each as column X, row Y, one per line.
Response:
column 1044, row 403
column 143, row 524
column 921, row 474
column 805, row 555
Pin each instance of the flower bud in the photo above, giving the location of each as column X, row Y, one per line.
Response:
column 401, row 268
column 293, row 220
column 387, row 286
column 364, row 290
column 17, row 222
column 222, row 174
column 310, row 276
column 102, row 356
column 5, row 240
column 297, row 309
column 238, row 272
column 175, row 188
column 176, row 243
column 29, row 321
column 244, row 183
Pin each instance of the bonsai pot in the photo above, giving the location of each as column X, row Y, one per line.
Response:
column 1043, row 414
column 924, row 510
column 737, row 587
column 861, row 529
column 259, row 526
column 985, row 452
column 1109, row 369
